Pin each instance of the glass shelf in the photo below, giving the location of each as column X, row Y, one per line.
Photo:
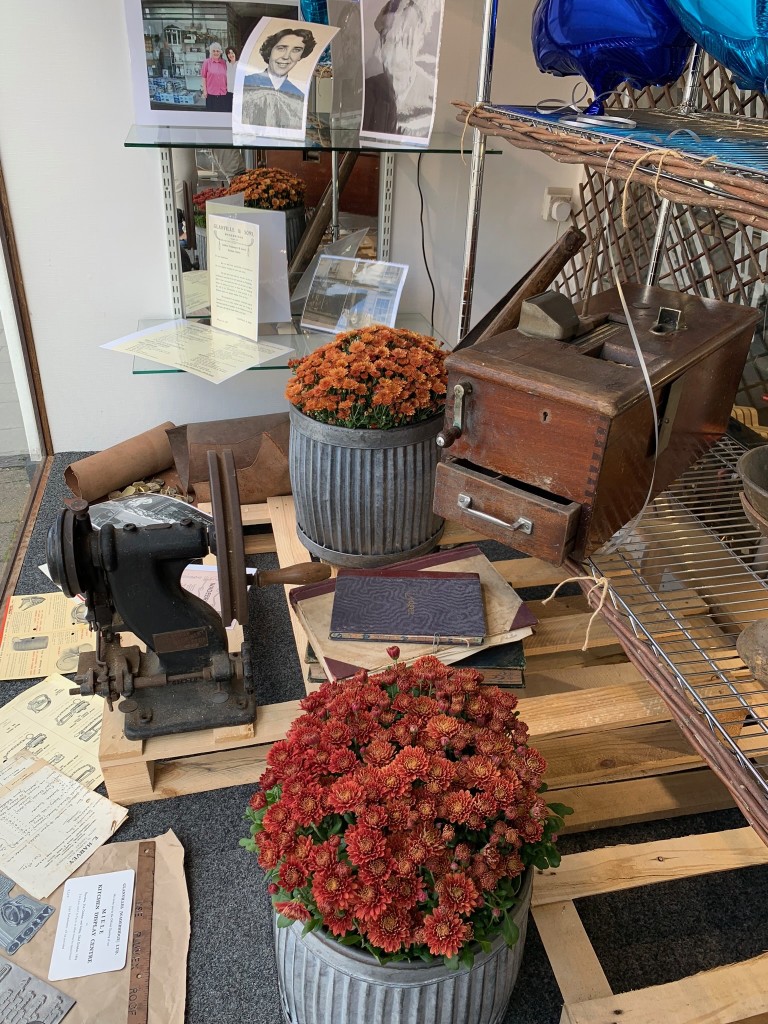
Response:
column 323, row 137
column 301, row 341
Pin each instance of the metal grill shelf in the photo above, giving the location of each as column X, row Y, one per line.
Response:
column 688, row 576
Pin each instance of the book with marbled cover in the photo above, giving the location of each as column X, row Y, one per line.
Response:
column 413, row 607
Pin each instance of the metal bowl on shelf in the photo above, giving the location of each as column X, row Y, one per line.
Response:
column 752, row 467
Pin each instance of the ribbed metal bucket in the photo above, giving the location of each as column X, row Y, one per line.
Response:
column 322, row 982
column 364, row 497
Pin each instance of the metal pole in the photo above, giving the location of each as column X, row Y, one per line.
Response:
column 335, row 195
column 485, row 74
column 689, row 104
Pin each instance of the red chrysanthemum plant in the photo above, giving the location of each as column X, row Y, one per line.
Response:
column 401, row 811
column 373, row 378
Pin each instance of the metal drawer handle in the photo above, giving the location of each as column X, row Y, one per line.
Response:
column 521, row 523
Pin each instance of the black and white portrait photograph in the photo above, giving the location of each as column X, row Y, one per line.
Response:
column 184, row 56
column 401, row 48
column 273, row 77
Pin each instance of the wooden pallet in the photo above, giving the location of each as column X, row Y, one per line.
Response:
column 614, row 754
column 736, row 994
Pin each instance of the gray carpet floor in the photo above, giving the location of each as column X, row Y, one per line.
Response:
column 646, row 936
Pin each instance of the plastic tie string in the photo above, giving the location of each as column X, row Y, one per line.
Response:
column 602, row 584
column 470, row 112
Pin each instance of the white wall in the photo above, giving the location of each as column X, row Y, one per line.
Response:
column 88, row 215
column 512, row 232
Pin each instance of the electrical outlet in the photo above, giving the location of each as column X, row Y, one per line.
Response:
column 557, row 204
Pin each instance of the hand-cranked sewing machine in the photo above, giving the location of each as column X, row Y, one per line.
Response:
column 130, row 577
column 549, row 438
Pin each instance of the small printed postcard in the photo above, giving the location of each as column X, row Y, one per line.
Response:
column 347, row 293
column 94, row 922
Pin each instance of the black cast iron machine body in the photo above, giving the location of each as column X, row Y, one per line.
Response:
column 130, row 578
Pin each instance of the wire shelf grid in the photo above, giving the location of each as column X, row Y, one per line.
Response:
column 689, row 575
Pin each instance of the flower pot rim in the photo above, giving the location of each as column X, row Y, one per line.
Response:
column 320, row 940
column 364, row 437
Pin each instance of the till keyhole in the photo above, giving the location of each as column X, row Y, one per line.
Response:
column 544, row 416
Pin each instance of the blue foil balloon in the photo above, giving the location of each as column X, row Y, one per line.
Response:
column 608, row 42
column 735, row 32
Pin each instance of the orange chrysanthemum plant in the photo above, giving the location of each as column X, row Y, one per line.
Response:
column 373, row 377
column 401, row 811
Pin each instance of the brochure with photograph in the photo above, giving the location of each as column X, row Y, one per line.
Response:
column 347, row 293
column 273, row 77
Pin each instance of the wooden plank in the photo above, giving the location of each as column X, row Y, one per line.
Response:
column 289, row 551
column 608, row 707
column 645, row 799
column 574, row 962
column 530, row 572
column 736, row 994
column 543, row 681
column 567, row 632
column 615, row 868
column 614, row 755
column 251, row 515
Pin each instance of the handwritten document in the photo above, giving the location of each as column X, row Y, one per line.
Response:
column 49, row 723
column 209, row 353
column 49, row 825
column 94, row 921
column 233, row 268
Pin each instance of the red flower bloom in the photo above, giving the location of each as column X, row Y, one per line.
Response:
column 257, row 801
column 390, row 931
column 393, row 652
column 294, row 910
column 457, row 892
column 334, row 888
column 412, row 762
column 339, row 922
column 445, row 933
column 364, row 844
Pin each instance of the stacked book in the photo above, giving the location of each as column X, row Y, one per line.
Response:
column 452, row 604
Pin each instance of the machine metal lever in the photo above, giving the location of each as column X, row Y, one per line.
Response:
column 521, row 523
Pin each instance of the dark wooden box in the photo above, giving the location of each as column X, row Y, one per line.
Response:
column 557, row 438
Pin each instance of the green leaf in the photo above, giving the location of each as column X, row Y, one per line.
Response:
column 554, row 857
column 509, row 930
column 283, row 921
column 560, row 809
column 351, row 940
column 485, row 945
column 467, row 958
column 540, row 860
column 310, row 925
column 451, row 962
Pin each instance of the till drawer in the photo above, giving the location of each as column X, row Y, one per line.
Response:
column 525, row 519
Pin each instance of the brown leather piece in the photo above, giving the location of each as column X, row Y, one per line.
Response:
column 260, row 448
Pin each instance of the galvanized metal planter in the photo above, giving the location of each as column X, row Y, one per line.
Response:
column 323, row 982
column 364, row 497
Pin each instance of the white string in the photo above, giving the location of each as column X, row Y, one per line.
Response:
column 602, row 584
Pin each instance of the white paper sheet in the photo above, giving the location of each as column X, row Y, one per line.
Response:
column 49, row 825
column 347, row 293
column 49, row 723
column 233, row 268
column 198, row 348
column 93, row 926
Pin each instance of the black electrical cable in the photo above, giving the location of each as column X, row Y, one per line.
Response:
column 423, row 245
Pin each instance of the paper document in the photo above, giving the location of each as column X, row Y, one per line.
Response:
column 49, row 824
column 27, row 1000
column 41, row 634
column 94, row 922
column 233, row 266
column 198, row 348
column 49, row 723
column 197, row 295
column 106, row 998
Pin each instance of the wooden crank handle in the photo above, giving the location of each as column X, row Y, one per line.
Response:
column 304, row 572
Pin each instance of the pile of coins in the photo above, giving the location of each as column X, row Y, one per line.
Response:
column 154, row 486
